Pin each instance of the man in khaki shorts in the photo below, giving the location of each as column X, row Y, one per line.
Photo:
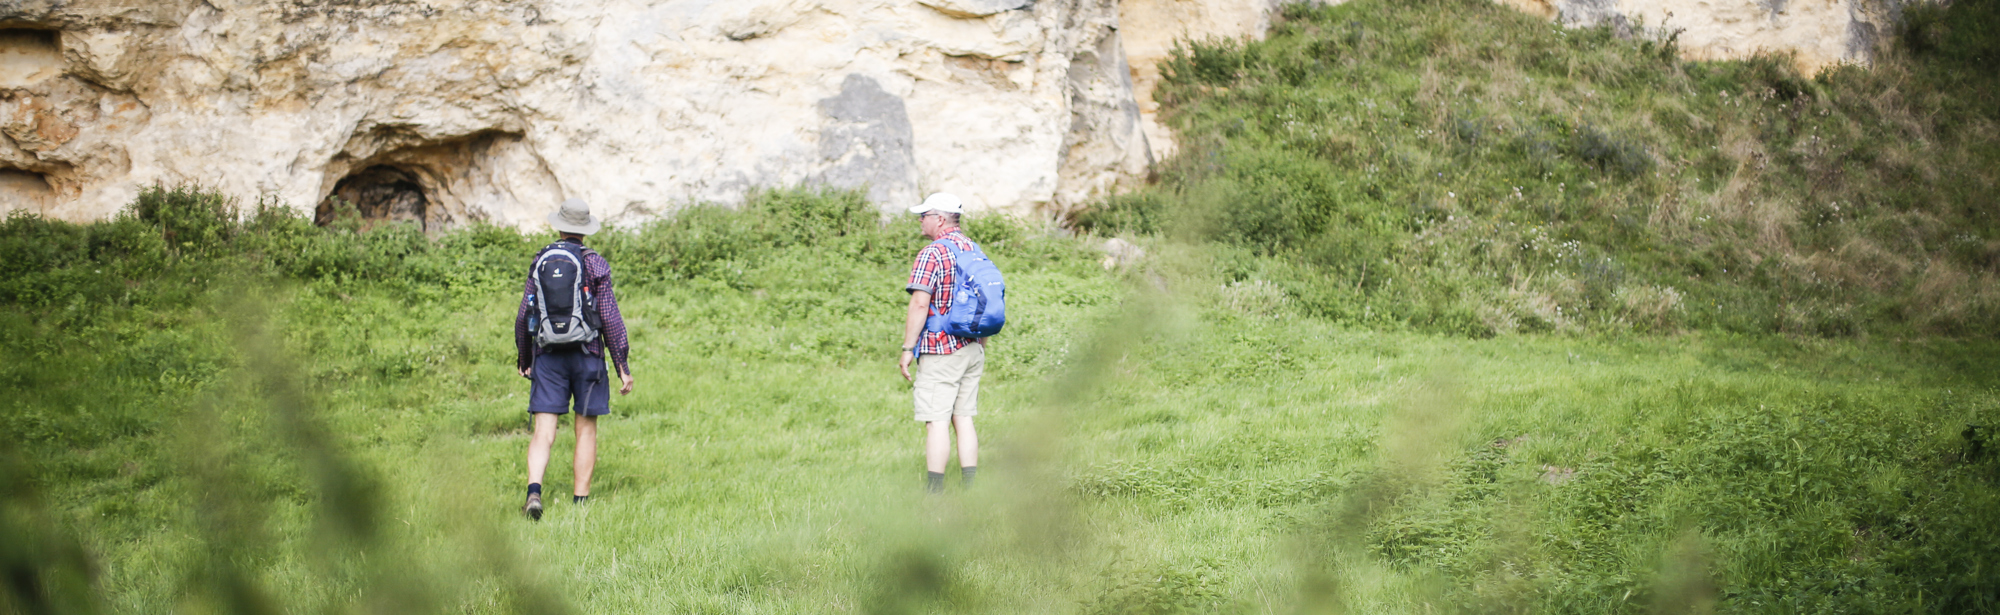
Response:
column 948, row 366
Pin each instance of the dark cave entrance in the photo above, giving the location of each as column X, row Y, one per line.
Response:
column 25, row 190
column 377, row 195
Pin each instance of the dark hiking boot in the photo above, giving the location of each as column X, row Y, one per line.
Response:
column 533, row 509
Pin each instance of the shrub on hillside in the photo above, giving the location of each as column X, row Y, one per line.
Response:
column 1421, row 161
column 189, row 220
column 1612, row 154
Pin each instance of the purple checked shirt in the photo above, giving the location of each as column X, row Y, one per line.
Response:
column 597, row 275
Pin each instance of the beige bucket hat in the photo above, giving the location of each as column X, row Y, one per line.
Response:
column 574, row 217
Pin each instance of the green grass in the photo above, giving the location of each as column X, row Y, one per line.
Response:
column 275, row 437
column 1444, row 310
column 1457, row 166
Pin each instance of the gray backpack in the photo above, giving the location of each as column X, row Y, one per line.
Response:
column 562, row 312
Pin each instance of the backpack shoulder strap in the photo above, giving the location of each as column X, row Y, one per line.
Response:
column 952, row 247
column 550, row 252
column 583, row 259
column 574, row 252
column 582, row 253
column 935, row 322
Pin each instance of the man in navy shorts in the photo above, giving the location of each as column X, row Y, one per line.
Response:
column 571, row 377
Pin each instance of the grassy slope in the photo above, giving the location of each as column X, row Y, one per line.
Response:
column 268, row 417
column 1457, row 166
column 354, row 439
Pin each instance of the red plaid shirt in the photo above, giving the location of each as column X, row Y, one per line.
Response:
column 933, row 274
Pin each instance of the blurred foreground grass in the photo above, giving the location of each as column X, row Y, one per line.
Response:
column 1738, row 359
column 288, row 419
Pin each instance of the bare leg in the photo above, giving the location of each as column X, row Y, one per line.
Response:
column 937, row 445
column 968, row 441
column 539, row 445
column 586, row 452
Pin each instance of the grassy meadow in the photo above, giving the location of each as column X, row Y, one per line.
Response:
column 1155, row 440
column 1460, row 167
column 1331, row 386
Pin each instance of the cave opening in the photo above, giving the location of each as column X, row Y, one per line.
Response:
column 25, row 190
column 377, row 195
column 29, row 56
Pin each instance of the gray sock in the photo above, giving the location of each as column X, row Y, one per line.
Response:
column 936, row 483
column 968, row 472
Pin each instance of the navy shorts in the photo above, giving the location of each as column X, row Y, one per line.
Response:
column 564, row 377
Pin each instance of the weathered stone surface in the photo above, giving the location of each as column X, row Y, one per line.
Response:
column 1151, row 28
column 498, row 109
column 1120, row 253
column 28, row 57
column 1819, row 33
column 975, row 8
column 1107, row 143
column 868, row 142
column 25, row 190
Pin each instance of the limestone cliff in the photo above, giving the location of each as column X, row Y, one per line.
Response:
column 1153, row 27
column 1818, row 33
column 453, row 110
column 447, row 111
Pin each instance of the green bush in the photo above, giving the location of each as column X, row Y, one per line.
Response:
column 1459, row 166
column 1612, row 154
column 190, row 220
column 1136, row 213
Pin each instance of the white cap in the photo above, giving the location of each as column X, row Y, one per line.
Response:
column 941, row 201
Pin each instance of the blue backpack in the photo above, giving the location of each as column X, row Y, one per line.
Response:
column 978, row 297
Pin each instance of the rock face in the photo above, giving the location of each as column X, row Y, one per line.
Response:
column 444, row 112
column 448, row 111
column 1152, row 28
column 1819, row 33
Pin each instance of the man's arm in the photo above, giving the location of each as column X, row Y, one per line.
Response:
column 923, row 281
column 524, row 351
column 913, row 327
column 615, row 342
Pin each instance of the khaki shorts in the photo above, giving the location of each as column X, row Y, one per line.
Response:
column 948, row 384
